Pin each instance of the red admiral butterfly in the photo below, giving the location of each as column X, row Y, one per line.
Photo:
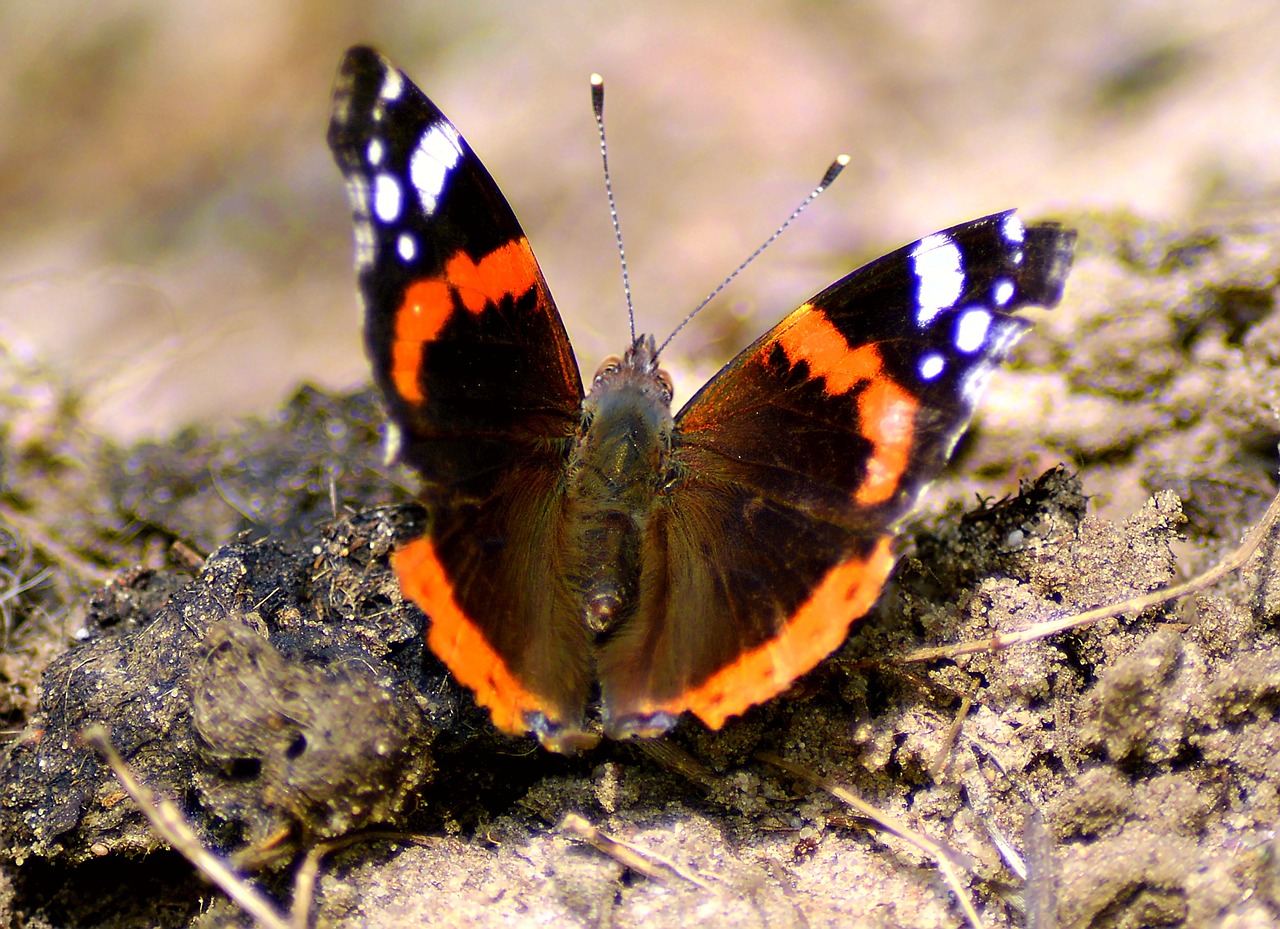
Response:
column 598, row 548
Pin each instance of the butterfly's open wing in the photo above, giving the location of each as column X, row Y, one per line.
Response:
column 481, row 383
column 796, row 462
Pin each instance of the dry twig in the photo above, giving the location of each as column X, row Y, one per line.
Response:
column 949, row 861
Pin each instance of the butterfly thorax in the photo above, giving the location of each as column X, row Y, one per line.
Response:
column 616, row 471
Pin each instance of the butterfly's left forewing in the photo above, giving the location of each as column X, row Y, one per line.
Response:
column 795, row 464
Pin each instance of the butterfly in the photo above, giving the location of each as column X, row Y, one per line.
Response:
column 591, row 549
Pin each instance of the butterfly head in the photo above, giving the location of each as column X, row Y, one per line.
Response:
column 623, row 440
column 635, row 372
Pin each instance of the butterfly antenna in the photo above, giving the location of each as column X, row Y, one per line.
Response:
column 597, row 106
column 832, row 173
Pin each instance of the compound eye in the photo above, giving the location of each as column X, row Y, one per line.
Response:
column 609, row 366
column 664, row 378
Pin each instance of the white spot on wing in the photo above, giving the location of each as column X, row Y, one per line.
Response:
column 406, row 246
column 438, row 151
column 387, row 198
column 392, row 85
column 931, row 366
column 1013, row 229
column 938, row 267
column 971, row 329
column 374, row 152
column 1002, row 292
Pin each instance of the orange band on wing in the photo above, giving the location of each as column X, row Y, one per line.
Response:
column 887, row 414
column 426, row 307
column 510, row 270
column 813, row 339
column 458, row 643
column 886, row 411
column 814, row 632
column 507, row 271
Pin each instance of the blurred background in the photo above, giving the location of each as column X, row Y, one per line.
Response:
column 175, row 237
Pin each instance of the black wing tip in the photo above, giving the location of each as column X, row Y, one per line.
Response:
column 1050, row 252
column 362, row 59
column 349, row 85
column 362, row 75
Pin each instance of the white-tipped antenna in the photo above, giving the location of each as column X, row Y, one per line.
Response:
column 597, row 106
column 832, row 173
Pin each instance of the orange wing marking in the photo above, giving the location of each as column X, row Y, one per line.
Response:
column 814, row 632
column 459, row 644
column 510, row 270
column 507, row 271
column 427, row 304
column 886, row 412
